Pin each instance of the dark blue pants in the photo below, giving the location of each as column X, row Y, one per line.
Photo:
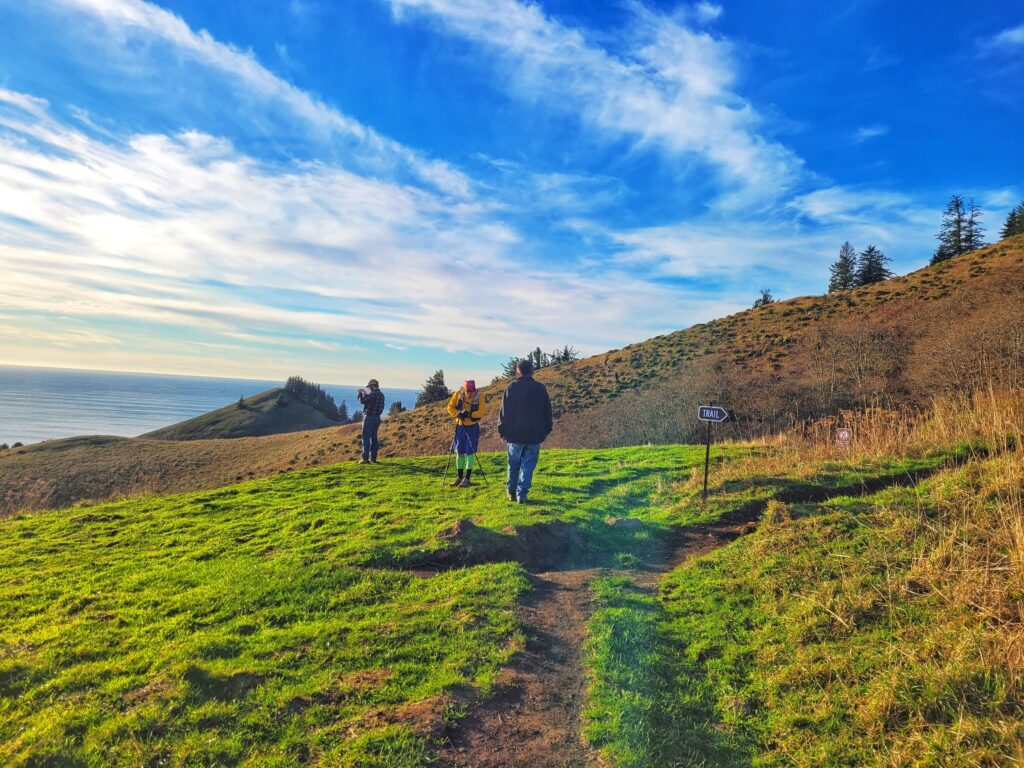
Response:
column 467, row 439
column 522, row 460
column 370, row 442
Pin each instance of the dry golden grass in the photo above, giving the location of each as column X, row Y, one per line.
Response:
column 969, row 528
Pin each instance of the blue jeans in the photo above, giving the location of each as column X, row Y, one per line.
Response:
column 522, row 460
column 370, row 442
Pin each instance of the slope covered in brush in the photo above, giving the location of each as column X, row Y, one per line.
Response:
column 944, row 328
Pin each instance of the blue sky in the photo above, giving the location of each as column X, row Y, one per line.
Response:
column 386, row 187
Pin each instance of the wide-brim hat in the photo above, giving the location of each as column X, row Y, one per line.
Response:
column 373, row 383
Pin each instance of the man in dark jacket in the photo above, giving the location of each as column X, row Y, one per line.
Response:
column 524, row 423
column 372, row 400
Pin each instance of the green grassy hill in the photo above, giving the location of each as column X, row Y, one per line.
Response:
column 869, row 612
column 269, row 413
column 276, row 621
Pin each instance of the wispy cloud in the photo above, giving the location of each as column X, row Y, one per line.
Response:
column 707, row 12
column 186, row 231
column 671, row 91
column 867, row 132
column 127, row 20
column 1008, row 39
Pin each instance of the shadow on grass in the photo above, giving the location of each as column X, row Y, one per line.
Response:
column 645, row 706
column 547, row 546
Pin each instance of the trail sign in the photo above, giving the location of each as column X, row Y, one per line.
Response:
column 715, row 413
column 710, row 414
column 843, row 436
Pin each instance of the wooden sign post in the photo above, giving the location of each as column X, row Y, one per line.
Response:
column 710, row 414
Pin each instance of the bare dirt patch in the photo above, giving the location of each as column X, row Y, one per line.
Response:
column 534, row 717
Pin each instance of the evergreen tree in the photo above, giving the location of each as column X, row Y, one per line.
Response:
column 508, row 370
column 396, row 408
column 844, row 270
column 1014, row 223
column 764, row 299
column 343, row 411
column 973, row 229
column 538, row 358
column 872, row 266
column 951, row 235
column 357, row 416
column 564, row 355
column 434, row 389
column 313, row 395
column 241, row 403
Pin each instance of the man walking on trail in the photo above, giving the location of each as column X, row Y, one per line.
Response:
column 372, row 400
column 467, row 407
column 524, row 423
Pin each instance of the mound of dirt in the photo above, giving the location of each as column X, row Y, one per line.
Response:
column 540, row 546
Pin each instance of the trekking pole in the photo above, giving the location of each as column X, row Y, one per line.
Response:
column 480, row 466
column 451, row 452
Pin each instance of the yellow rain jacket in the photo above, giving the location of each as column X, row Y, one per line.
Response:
column 460, row 401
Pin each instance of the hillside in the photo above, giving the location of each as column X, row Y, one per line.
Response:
column 269, row 413
column 942, row 329
column 364, row 616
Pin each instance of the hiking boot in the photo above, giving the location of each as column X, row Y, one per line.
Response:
column 522, row 499
column 511, row 495
column 364, row 461
column 464, row 483
column 457, row 482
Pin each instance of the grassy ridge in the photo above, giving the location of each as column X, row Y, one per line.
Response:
column 265, row 623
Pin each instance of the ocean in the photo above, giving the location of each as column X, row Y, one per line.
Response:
column 46, row 403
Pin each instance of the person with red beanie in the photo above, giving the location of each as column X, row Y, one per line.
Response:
column 467, row 406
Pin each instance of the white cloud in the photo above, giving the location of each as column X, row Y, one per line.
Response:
column 867, row 132
column 185, row 231
column 134, row 19
column 673, row 90
column 1013, row 37
column 707, row 12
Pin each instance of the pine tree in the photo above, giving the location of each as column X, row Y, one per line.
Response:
column 844, row 270
column 1014, row 223
column 396, row 408
column 434, row 389
column 343, row 411
column 872, row 266
column 952, row 231
column 241, row 403
column 973, row 228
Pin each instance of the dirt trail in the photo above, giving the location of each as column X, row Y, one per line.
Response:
column 534, row 718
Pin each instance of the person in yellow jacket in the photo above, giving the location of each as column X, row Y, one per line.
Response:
column 467, row 407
